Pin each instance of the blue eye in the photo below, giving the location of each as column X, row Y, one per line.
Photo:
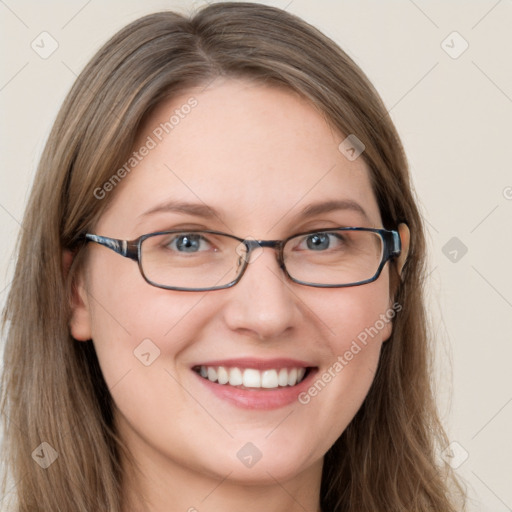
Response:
column 188, row 242
column 321, row 241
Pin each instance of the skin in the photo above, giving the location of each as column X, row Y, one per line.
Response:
column 258, row 155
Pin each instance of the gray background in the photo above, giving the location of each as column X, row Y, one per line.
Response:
column 453, row 110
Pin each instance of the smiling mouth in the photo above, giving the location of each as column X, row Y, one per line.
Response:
column 251, row 378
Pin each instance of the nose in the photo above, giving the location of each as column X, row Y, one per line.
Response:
column 263, row 303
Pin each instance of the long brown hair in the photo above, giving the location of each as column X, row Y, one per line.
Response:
column 52, row 387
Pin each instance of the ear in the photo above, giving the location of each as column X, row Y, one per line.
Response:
column 405, row 238
column 80, row 321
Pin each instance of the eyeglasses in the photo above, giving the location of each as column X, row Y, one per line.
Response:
column 193, row 260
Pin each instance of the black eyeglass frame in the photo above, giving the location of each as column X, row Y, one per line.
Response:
column 132, row 249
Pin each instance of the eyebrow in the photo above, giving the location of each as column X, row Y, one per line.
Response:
column 207, row 212
column 196, row 209
column 331, row 206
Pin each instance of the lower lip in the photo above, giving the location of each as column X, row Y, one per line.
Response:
column 257, row 398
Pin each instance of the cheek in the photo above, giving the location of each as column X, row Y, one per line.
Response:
column 360, row 314
column 357, row 321
column 133, row 325
column 139, row 332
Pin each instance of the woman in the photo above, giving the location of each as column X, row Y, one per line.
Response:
column 218, row 302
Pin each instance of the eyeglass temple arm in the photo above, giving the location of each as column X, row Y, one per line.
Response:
column 122, row 247
column 395, row 247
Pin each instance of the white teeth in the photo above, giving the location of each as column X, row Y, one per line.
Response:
column 235, row 377
column 212, row 374
column 252, row 378
column 269, row 379
column 222, row 375
column 283, row 377
column 292, row 377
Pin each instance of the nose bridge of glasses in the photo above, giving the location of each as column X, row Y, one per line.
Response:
column 255, row 248
column 274, row 244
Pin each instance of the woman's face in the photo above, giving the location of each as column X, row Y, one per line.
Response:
column 259, row 157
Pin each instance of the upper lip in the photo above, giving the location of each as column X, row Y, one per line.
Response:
column 257, row 364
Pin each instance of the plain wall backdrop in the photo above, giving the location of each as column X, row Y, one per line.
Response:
column 444, row 71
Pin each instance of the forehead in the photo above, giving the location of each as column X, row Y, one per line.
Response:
column 254, row 153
